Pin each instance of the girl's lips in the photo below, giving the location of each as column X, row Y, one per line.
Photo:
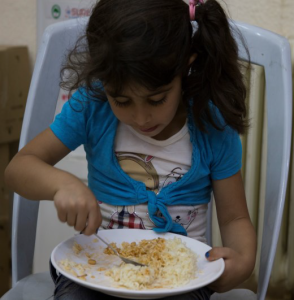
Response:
column 148, row 129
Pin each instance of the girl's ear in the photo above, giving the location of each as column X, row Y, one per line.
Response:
column 192, row 58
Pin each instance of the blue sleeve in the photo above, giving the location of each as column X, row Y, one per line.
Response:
column 225, row 146
column 70, row 125
column 227, row 154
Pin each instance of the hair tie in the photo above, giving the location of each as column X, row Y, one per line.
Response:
column 192, row 8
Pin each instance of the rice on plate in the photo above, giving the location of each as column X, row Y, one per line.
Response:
column 170, row 264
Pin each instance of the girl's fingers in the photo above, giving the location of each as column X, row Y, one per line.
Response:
column 218, row 252
column 81, row 221
column 94, row 221
column 61, row 211
column 61, row 216
column 71, row 218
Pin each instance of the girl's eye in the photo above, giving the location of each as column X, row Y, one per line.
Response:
column 159, row 102
column 121, row 104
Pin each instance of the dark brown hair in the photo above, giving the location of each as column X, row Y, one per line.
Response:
column 150, row 42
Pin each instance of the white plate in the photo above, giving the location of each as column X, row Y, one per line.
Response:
column 207, row 271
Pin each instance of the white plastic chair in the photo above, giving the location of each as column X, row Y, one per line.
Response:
column 266, row 48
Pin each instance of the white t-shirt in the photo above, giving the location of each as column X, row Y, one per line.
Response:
column 157, row 164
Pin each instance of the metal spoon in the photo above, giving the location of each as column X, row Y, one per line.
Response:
column 126, row 260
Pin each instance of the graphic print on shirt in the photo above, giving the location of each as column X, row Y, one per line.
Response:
column 183, row 215
column 125, row 217
column 173, row 176
column 140, row 168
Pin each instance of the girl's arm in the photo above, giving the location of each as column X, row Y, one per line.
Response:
column 32, row 174
column 237, row 232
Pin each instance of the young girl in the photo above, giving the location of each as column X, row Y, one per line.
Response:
column 158, row 109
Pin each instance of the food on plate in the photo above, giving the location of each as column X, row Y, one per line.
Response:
column 170, row 263
column 77, row 248
column 75, row 269
column 91, row 261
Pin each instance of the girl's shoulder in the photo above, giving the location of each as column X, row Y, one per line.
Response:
column 218, row 140
column 222, row 146
column 220, row 130
column 83, row 101
column 82, row 119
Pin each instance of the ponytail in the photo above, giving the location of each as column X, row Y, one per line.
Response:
column 215, row 74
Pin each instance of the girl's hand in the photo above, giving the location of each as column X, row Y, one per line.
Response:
column 77, row 206
column 236, row 268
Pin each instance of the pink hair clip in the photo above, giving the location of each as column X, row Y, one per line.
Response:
column 192, row 7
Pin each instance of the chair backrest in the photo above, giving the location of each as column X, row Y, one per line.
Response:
column 266, row 48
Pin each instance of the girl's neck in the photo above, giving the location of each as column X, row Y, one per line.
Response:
column 175, row 125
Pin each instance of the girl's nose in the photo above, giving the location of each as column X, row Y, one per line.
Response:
column 141, row 116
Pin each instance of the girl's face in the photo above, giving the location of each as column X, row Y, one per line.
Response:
column 158, row 114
